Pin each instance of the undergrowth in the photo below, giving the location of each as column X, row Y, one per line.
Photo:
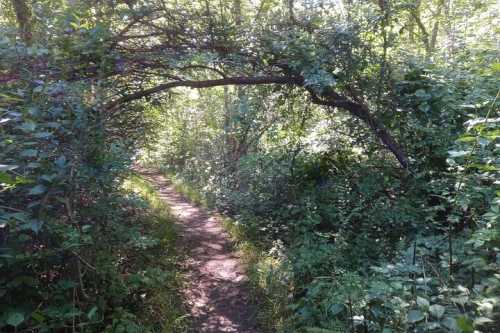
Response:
column 163, row 303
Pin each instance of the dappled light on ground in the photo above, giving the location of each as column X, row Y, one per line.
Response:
column 216, row 284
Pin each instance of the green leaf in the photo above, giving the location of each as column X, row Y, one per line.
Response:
column 482, row 320
column 28, row 127
column 9, row 98
column 437, row 310
column 450, row 323
column 458, row 153
column 61, row 161
column 29, row 153
column 133, row 328
column 5, row 178
column 42, row 135
column 422, row 302
column 92, row 313
column 461, row 300
column 318, row 330
column 336, row 308
column 422, row 94
column 37, row 190
column 20, row 216
column 467, row 138
column 465, row 324
column 48, row 178
column 15, row 319
column 36, row 225
column 415, row 316
column 433, row 326
column 424, row 107
column 38, row 317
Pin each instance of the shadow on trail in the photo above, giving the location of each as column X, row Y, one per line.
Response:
column 216, row 290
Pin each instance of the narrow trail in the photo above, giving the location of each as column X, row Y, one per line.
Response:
column 216, row 284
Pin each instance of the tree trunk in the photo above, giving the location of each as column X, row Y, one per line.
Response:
column 237, row 12
column 291, row 13
column 24, row 20
column 435, row 29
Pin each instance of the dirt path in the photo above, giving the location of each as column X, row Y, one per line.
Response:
column 216, row 290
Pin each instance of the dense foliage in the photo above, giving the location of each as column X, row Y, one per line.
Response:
column 355, row 144
column 78, row 252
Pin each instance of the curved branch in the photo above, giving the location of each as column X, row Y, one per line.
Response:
column 361, row 111
column 328, row 97
column 241, row 80
column 218, row 71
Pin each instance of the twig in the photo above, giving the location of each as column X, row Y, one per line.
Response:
column 84, row 261
column 11, row 208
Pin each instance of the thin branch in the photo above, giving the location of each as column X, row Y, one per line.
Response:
column 218, row 71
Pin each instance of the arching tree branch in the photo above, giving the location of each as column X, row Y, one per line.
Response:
column 240, row 80
column 328, row 97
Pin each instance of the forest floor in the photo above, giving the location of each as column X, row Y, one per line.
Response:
column 216, row 289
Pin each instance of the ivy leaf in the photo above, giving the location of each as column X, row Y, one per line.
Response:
column 15, row 319
column 415, row 316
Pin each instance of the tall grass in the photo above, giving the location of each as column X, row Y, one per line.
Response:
column 164, row 302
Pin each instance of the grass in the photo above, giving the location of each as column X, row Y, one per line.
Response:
column 266, row 272
column 163, row 304
column 188, row 191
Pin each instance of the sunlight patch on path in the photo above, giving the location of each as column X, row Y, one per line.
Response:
column 216, row 290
